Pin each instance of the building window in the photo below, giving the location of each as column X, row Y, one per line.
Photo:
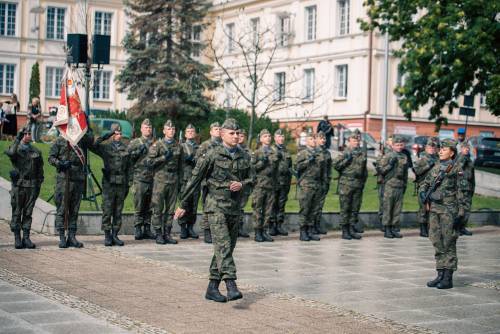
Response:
column 255, row 24
column 283, row 30
column 310, row 23
column 341, row 80
column 102, row 81
column 196, row 41
column 7, row 19
column 230, row 37
column 309, row 84
column 53, row 78
column 7, row 78
column 228, row 93
column 343, row 17
column 102, row 23
column 279, row 86
column 482, row 101
column 400, row 82
column 55, row 23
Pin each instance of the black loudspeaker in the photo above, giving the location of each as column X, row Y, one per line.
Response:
column 100, row 52
column 77, row 45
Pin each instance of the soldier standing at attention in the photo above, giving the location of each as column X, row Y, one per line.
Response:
column 142, row 187
column 351, row 166
column 227, row 173
column 325, row 158
column 166, row 158
column 265, row 164
column 394, row 169
column 69, row 162
column 207, row 145
column 421, row 168
column 309, row 176
column 115, row 179
column 443, row 193
column 189, row 147
column 26, row 178
column 386, row 148
column 248, row 191
column 283, row 185
column 469, row 184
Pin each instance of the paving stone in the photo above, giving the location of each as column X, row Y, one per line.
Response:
column 27, row 306
column 457, row 327
column 40, row 318
column 80, row 328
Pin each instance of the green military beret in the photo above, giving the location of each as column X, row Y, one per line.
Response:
column 115, row 127
column 279, row 132
column 215, row 125
column 398, row 139
column 264, row 132
column 353, row 135
column 190, row 126
column 230, row 124
column 357, row 132
column 169, row 124
column 449, row 143
column 433, row 141
column 321, row 134
column 243, row 131
column 146, row 122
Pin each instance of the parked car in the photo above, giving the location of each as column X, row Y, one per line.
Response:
column 485, row 151
column 371, row 144
column 101, row 125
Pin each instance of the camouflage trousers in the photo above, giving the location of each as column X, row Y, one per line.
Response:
column 74, row 197
column 142, row 192
column 321, row 204
column 244, row 201
column 309, row 202
column 113, row 197
column 444, row 238
column 280, row 199
column 204, row 218
column 191, row 209
column 224, row 230
column 467, row 208
column 262, row 204
column 422, row 214
column 22, row 200
column 350, row 202
column 380, row 192
column 393, row 204
column 163, row 204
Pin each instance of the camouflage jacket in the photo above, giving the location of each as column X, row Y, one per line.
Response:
column 309, row 168
column 265, row 163
column 449, row 194
column 61, row 150
column 138, row 153
column 206, row 146
column 114, row 155
column 285, row 168
column 167, row 170
column 469, row 179
column 28, row 164
column 218, row 169
column 423, row 165
column 351, row 166
column 190, row 149
column 380, row 177
column 394, row 169
column 325, row 158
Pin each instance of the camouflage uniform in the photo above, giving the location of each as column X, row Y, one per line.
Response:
column 325, row 159
column 246, row 193
column 469, row 185
column 26, row 180
column 218, row 168
column 282, row 186
column 380, row 183
column 190, row 148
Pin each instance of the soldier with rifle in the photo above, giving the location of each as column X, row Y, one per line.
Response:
column 248, row 190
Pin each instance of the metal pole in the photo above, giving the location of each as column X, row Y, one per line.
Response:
column 385, row 97
column 369, row 97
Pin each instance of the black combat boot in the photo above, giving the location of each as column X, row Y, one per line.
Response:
column 272, row 229
column 241, row 231
column 266, row 236
column 232, row 290
column 303, row 234
column 72, row 242
column 26, row 239
column 159, row 237
column 423, row 230
column 108, row 241
column 62, row 239
column 464, row 231
column 168, row 237
column 387, row 232
column 18, row 242
column 395, row 232
column 191, row 233
column 281, row 230
column 345, row 232
column 353, row 234
column 116, row 240
column 258, row 235
column 147, row 232
column 439, row 277
column 207, row 236
column 184, row 231
column 357, row 229
column 318, row 229
column 213, row 292
column 447, row 281
column 312, row 236
column 138, row 233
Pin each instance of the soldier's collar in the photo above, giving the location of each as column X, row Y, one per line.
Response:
column 169, row 140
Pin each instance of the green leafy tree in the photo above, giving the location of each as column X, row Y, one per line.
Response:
column 35, row 81
column 448, row 48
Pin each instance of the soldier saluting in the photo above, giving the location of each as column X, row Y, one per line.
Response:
column 26, row 178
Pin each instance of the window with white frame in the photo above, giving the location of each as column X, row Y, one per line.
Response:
column 229, row 31
column 255, row 24
column 310, row 15
column 7, row 18
column 7, row 72
column 196, row 41
column 283, row 30
column 482, row 100
column 102, row 23
column 53, row 78
column 308, row 84
column 279, row 86
column 343, row 16
column 102, row 83
column 400, row 81
column 55, row 23
column 341, row 81
column 228, row 93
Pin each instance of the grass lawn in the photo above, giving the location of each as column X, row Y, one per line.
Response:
column 370, row 200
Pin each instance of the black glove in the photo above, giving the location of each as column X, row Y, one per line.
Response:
column 143, row 149
column 279, row 155
column 265, row 159
column 63, row 165
column 20, row 135
column 393, row 161
column 457, row 223
column 348, row 156
column 312, row 158
column 421, row 196
column 108, row 135
column 168, row 154
column 189, row 158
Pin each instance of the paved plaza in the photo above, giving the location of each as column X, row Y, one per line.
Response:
column 374, row 285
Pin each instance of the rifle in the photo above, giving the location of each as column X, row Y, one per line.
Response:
column 426, row 200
